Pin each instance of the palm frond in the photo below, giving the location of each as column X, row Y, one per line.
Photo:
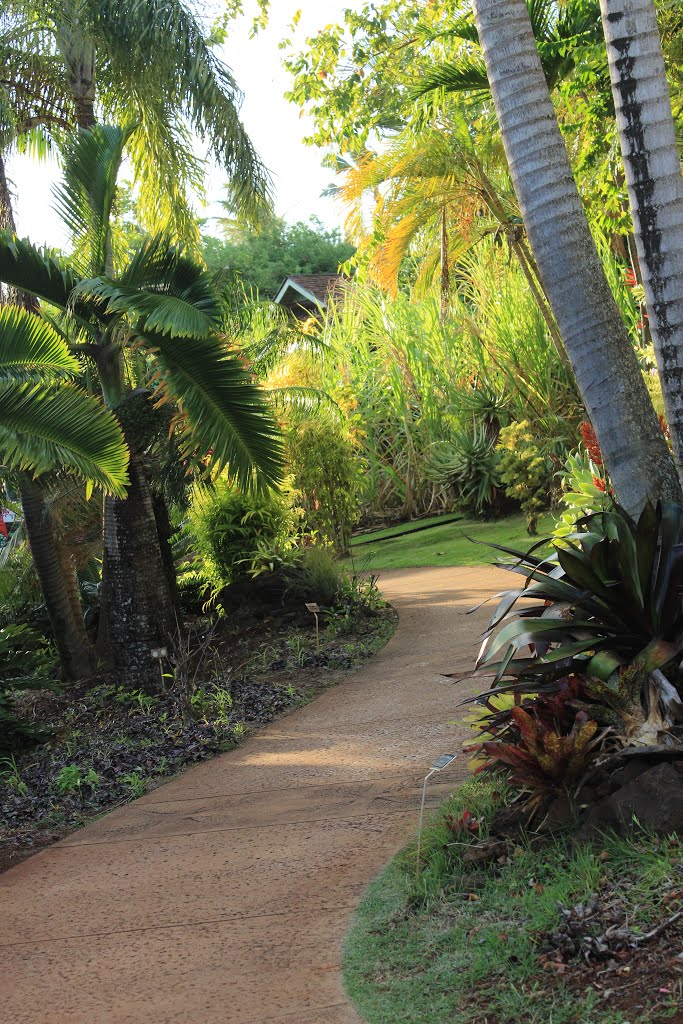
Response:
column 62, row 427
column 85, row 196
column 160, row 41
column 31, row 348
column 36, row 271
column 226, row 414
column 162, row 291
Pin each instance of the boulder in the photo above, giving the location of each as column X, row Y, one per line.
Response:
column 654, row 800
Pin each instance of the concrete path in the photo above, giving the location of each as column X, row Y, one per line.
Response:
column 224, row 896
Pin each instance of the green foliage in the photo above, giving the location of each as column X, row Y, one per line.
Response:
column 525, row 471
column 238, row 534
column 316, row 576
column 470, row 465
column 325, row 471
column 262, row 260
column 25, row 664
column 585, row 490
column 606, row 609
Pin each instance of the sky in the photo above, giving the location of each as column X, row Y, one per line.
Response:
column 274, row 125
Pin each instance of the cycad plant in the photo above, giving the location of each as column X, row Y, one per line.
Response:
column 150, row 332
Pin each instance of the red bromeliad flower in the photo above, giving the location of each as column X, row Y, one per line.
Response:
column 664, row 427
column 600, row 484
column 630, row 278
column 591, row 442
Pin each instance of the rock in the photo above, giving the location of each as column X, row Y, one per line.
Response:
column 654, row 799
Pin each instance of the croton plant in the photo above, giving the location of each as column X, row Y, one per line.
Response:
column 586, row 653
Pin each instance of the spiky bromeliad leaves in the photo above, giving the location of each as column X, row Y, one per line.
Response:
column 607, row 608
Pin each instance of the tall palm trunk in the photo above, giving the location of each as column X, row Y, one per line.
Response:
column 655, row 186
column 78, row 54
column 594, row 336
column 56, row 573
column 137, row 614
column 76, row 654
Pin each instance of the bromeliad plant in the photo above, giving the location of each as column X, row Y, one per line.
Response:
column 604, row 634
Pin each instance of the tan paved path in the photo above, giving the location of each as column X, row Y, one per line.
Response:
column 224, row 896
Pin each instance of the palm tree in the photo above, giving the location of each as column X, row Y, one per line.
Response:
column 594, row 336
column 447, row 186
column 151, row 333
column 647, row 136
column 47, row 423
column 147, row 61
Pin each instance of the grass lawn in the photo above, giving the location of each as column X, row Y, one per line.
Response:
column 443, row 545
column 459, row 943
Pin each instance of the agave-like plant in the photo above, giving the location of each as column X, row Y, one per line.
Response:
column 607, row 607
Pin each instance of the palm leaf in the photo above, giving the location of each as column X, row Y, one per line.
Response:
column 85, row 196
column 41, row 273
column 160, row 42
column 62, row 427
column 226, row 413
column 30, row 347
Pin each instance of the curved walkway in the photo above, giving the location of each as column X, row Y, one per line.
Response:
column 224, row 896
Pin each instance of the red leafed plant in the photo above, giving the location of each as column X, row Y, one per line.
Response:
column 544, row 761
column 466, row 823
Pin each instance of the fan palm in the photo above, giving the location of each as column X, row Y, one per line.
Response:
column 151, row 333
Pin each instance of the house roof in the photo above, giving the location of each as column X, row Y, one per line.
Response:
column 309, row 289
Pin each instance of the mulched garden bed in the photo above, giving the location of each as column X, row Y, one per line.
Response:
column 105, row 746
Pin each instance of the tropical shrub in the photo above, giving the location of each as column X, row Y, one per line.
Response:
column 543, row 742
column 324, row 467
column 315, row 576
column 526, row 472
column 238, row 534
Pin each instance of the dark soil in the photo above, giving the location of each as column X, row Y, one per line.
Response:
column 629, row 971
column 106, row 745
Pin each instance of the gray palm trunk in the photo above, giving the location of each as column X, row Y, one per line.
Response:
column 594, row 336
column 655, row 186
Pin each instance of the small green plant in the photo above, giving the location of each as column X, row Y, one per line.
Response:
column 212, row 703
column 144, row 702
column 71, row 779
column 135, row 782
column 11, row 777
column 525, row 471
column 585, row 490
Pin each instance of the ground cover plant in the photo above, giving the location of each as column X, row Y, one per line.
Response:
column 539, row 930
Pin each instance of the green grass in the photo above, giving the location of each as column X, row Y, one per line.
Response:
column 455, row 945
column 445, row 545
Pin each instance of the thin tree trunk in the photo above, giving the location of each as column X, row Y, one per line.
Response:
column 655, row 186
column 78, row 53
column 594, row 336
column 137, row 615
column 445, row 266
column 76, row 654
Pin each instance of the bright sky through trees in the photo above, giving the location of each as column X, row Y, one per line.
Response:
column 273, row 124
